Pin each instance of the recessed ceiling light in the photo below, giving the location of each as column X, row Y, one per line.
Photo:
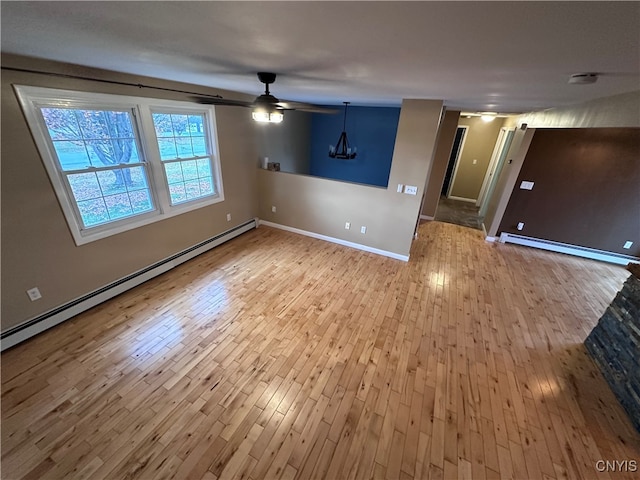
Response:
column 583, row 78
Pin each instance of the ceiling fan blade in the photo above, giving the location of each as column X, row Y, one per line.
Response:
column 305, row 107
column 222, row 101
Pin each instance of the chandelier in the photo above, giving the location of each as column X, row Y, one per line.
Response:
column 342, row 149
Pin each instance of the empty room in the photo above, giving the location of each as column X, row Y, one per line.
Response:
column 320, row 240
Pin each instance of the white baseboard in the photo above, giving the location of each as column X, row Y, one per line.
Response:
column 404, row 258
column 426, row 217
column 28, row 329
column 578, row 251
column 463, row 199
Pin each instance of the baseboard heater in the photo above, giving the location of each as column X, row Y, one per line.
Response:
column 32, row 327
column 578, row 251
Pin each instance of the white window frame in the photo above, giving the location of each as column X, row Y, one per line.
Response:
column 33, row 98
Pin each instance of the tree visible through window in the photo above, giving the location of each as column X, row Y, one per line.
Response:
column 97, row 152
column 118, row 162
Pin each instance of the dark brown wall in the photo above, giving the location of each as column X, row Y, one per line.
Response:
column 586, row 192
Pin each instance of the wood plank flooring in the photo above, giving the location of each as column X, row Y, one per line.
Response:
column 281, row 356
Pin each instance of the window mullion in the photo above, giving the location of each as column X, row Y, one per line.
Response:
column 152, row 154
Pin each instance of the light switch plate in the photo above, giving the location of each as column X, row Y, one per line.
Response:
column 410, row 190
column 400, row 187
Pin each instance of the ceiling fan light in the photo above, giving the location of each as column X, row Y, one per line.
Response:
column 265, row 116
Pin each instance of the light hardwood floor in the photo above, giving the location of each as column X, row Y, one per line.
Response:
column 280, row 356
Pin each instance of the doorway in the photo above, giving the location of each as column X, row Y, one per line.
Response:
column 452, row 166
column 495, row 168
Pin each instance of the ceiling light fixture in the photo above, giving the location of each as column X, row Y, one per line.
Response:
column 583, row 78
column 488, row 117
column 267, row 114
column 342, row 149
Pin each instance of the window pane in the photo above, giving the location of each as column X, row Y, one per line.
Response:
column 184, row 147
column 174, row 172
column 199, row 147
column 192, row 189
column 167, row 148
column 93, row 212
column 112, row 181
column 141, row 201
column 137, row 178
column 204, row 167
column 196, row 126
column 180, row 125
column 162, row 123
column 118, row 124
column 84, row 186
column 118, row 206
column 189, row 169
column 72, row 154
column 177, row 193
column 206, row 186
column 61, row 123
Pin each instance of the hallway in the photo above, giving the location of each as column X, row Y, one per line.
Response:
column 458, row 212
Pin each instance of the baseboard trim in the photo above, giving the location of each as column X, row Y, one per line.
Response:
column 575, row 250
column 463, row 199
column 426, row 217
column 39, row 324
column 404, row 258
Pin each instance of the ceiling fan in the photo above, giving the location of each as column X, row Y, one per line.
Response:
column 266, row 107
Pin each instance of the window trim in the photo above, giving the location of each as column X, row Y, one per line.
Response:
column 32, row 98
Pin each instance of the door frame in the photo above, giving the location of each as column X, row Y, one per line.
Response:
column 457, row 159
column 490, row 176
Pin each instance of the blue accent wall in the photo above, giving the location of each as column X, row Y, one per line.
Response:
column 371, row 129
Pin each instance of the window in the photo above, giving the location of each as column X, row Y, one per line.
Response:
column 118, row 162
column 183, row 150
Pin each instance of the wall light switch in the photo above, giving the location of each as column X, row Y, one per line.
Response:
column 627, row 245
column 363, row 229
column 410, row 190
column 273, row 208
column 347, row 225
column 228, row 217
column 400, row 187
column 526, row 185
column 475, row 161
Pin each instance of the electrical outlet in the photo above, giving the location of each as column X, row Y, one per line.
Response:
column 475, row 161
column 363, row 229
column 228, row 217
column 34, row 294
column 526, row 185
column 627, row 245
column 273, row 208
column 520, row 225
column 347, row 225
column 410, row 190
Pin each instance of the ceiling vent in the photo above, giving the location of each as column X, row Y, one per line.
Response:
column 583, row 78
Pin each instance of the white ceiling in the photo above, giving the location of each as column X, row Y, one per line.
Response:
column 496, row 56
